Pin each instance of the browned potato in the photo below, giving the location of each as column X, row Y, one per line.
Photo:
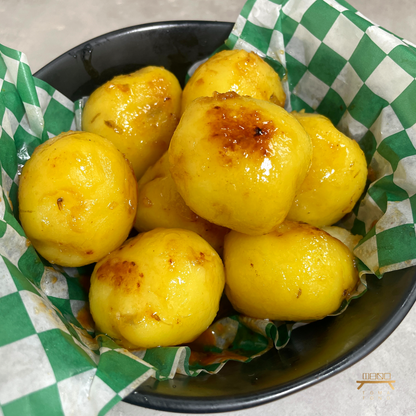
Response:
column 336, row 178
column 238, row 161
column 295, row 273
column 160, row 288
column 138, row 113
column 77, row 198
column 242, row 72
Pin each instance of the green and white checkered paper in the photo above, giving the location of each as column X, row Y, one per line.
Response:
column 333, row 61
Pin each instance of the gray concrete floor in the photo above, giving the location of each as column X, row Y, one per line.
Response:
column 44, row 29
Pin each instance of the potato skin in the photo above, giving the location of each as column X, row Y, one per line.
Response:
column 160, row 205
column 160, row 288
column 295, row 273
column 238, row 161
column 237, row 70
column 137, row 112
column 77, row 198
column 337, row 176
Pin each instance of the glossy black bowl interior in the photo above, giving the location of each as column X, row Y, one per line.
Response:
column 316, row 351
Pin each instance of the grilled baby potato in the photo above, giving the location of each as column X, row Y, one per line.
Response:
column 160, row 288
column 160, row 205
column 77, row 198
column 295, row 273
column 137, row 112
column 242, row 72
column 337, row 176
column 238, row 161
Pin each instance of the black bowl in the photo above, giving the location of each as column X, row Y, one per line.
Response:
column 316, row 351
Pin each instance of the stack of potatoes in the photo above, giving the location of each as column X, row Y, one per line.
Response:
column 231, row 191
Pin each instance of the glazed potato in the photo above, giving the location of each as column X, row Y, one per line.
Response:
column 77, row 198
column 160, row 205
column 242, row 72
column 137, row 112
column 295, row 273
column 337, row 176
column 238, row 161
column 160, row 288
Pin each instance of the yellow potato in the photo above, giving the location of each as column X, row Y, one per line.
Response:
column 238, row 161
column 137, row 112
column 160, row 205
column 295, row 273
column 242, row 72
column 77, row 198
column 336, row 178
column 160, row 288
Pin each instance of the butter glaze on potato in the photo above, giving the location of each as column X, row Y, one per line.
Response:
column 238, row 161
column 138, row 112
column 237, row 70
column 160, row 288
column 77, row 198
column 297, row 272
column 337, row 176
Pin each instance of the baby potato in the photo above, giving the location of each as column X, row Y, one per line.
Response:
column 242, row 72
column 238, row 161
column 295, row 273
column 337, row 176
column 160, row 288
column 160, row 205
column 137, row 112
column 77, row 198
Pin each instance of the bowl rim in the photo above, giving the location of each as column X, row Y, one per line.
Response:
column 125, row 31
column 217, row 404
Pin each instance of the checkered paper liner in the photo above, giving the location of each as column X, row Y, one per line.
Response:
column 332, row 60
